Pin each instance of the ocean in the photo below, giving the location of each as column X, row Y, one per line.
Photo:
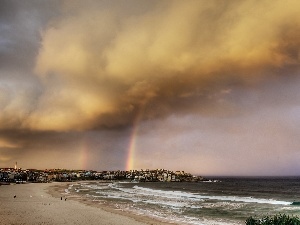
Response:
column 218, row 201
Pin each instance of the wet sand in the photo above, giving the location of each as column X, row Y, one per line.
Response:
column 39, row 203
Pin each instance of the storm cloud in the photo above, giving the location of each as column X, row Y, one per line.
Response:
column 70, row 67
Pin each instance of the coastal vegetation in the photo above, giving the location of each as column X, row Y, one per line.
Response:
column 281, row 219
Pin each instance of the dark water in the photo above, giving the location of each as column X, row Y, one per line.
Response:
column 221, row 201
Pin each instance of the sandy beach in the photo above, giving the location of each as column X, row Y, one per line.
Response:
column 44, row 203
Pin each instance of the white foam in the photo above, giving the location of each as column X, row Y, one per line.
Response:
column 247, row 200
column 170, row 205
column 191, row 196
column 136, row 193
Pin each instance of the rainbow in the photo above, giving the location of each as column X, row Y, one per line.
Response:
column 131, row 149
column 132, row 142
column 83, row 154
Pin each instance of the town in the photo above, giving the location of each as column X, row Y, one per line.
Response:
column 18, row 175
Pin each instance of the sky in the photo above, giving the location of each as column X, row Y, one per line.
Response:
column 208, row 87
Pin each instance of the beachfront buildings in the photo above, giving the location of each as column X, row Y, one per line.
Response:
column 33, row 175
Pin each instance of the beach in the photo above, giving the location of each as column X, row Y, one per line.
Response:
column 46, row 203
column 228, row 201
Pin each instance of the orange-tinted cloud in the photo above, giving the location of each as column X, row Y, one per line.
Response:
column 213, row 83
column 98, row 66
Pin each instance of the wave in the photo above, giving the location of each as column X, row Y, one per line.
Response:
column 178, row 206
column 194, row 196
column 136, row 192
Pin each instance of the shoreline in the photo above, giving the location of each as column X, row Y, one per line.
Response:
column 41, row 204
column 58, row 191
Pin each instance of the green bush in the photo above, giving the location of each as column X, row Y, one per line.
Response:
column 280, row 219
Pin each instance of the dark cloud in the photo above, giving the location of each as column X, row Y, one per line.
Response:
column 73, row 70
column 21, row 24
column 156, row 61
column 86, row 150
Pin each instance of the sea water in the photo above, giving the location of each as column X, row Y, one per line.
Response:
column 217, row 201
